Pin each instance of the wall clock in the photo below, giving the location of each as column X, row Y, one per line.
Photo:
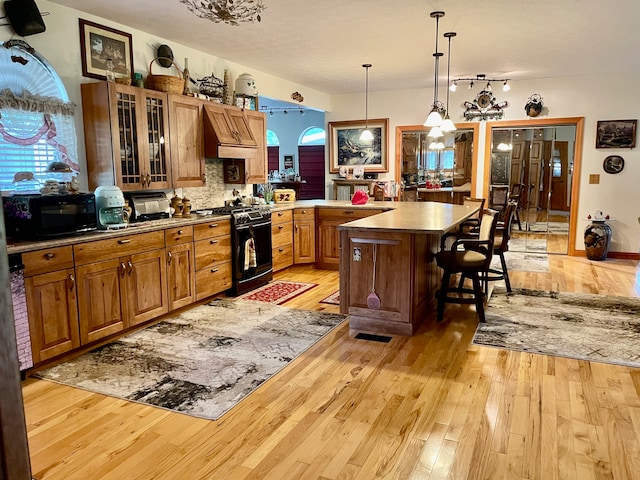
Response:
column 613, row 164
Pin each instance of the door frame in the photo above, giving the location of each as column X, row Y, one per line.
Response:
column 578, row 123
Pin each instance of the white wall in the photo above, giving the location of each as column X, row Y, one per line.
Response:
column 603, row 97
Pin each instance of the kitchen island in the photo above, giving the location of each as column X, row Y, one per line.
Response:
column 394, row 252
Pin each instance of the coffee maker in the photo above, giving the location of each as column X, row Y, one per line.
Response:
column 110, row 208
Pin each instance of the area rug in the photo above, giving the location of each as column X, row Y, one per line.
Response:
column 278, row 291
column 530, row 245
column 551, row 227
column 587, row 327
column 523, row 262
column 201, row 362
column 333, row 299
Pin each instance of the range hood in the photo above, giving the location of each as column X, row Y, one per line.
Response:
column 227, row 133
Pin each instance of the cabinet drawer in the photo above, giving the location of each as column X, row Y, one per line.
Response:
column 281, row 234
column 304, row 214
column 212, row 251
column 211, row 229
column 212, row 280
column 115, row 247
column 178, row 235
column 48, row 260
column 282, row 216
column 282, row 257
column 347, row 214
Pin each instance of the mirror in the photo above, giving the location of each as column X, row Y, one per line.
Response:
column 537, row 162
column 443, row 172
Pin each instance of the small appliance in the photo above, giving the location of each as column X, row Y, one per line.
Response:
column 149, row 206
column 38, row 217
column 110, row 208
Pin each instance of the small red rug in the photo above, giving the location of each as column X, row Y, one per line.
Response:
column 333, row 299
column 278, row 291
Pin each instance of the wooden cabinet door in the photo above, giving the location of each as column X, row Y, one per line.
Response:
column 240, row 126
column 145, row 286
column 181, row 275
column 218, row 125
column 304, row 242
column 99, row 299
column 155, row 141
column 187, row 141
column 328, row 244
column 257, row 165
column 53, row 314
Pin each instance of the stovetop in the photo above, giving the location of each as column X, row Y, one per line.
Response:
column 240, row 214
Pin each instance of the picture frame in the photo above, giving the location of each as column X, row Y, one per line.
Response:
column 233, row 171
column 98, row 43
column 616, row 134
column 288, row 161
column 346, row 149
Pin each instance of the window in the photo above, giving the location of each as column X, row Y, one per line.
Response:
column 37, row 129
column 272, row 139
column 313, row 136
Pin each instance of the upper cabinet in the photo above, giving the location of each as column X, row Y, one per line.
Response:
column 226, row 126
column 256, row 168
column 140, row 139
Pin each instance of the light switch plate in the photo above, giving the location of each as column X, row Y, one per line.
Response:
column 594, row 178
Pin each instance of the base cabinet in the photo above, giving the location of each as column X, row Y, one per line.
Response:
column 181, row 276
column 282, row 239
column 212, row 244
column 304, row 236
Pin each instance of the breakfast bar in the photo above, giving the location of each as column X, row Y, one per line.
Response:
column 388, row 275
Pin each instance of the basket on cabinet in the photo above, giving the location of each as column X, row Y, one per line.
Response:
column 165, row 83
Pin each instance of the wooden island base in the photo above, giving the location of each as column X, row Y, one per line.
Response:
column 394, row 251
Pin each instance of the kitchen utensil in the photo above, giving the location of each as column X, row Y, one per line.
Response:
column 373, row 300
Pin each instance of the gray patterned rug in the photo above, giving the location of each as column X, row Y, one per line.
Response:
column 201, row 362
column 588, row 327
column 523, row 262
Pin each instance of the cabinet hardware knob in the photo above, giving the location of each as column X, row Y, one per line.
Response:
column 130, row 265
column 304, row 212
column 280, row 227
column 213, row 242
column 348, row 212
column 280, row 214
column 72, row 282
column 124, row 241
column 49, row 256
column 214, row 270
column 296, row 228
column 123, row 269
column 179, row 232
column 170, row 257
column 213, row 225
column 281, row 250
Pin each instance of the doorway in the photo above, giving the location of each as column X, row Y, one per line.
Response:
column 541, row 159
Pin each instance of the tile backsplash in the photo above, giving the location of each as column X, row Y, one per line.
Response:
column 215, row 192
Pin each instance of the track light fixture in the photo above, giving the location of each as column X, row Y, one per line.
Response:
column 482, row 78
column 284, row 110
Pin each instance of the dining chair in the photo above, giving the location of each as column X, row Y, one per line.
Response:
column 515, row 196
column 499, row 197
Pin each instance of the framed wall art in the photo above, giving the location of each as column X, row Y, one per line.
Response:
column 347, row 150
column 98, row 44
column 616, row 134
column 233, row 171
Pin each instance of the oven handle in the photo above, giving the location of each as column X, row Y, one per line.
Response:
column 253, row 225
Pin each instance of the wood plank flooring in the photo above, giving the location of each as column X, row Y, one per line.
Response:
column 431, row 406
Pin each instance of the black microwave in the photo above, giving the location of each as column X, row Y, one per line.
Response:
column 38, row 217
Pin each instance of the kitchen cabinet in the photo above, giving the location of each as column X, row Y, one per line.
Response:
column 304, row 235
column 256, row 166
column 282, row 239
column 212, row 244
column 327, row 235
column 50, row 289
column 225, row 125
column 180, row 266
column 121, row 283
column 126, row 136
column 186, row 141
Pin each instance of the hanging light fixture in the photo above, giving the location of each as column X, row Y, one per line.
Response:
column 366, row 135
column 231, row 12
column 505, row 86
column 434, row 119
column 447, row 124
column 481, row 77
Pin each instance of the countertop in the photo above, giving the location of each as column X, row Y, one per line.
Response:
column 419, row 217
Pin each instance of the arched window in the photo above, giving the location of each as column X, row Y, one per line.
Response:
column 37, row 128
column 313, row 136
column 272, row 139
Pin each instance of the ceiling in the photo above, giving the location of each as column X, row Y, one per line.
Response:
column 323, row 44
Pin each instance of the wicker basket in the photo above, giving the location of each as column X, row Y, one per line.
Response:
column 165, row 83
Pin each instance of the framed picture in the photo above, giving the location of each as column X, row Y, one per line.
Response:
column 99, row 43
column 233, row 171
column 616, row 134
column 346, row 148
column 289, row 161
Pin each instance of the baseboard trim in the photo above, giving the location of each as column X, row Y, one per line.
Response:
column 620, row 255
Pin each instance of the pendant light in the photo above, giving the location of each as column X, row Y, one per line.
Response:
column 366, row 136
column 447, row 124
column 434, row 119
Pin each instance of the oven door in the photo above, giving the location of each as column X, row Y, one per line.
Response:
column 253, row 266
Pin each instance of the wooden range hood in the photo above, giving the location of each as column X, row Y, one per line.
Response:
column 227, row 133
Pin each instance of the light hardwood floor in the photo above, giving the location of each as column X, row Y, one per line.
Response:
column 432, row 406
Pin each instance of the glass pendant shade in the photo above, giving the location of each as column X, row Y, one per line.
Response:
column 448, row 125
column 435, row 132
column 434, row 119
column 366, row 136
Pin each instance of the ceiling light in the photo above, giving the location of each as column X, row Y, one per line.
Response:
column 506, row 87
column 271, row 112
column 447, row 124
column 231, row 12
column 481, row 77
column 435, row 132
column 488, row 87
column 471, row 85
column 285, row 112
column 454, row 86
column 366, row 135
column 435, row 116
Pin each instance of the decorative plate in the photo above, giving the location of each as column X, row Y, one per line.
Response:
column 613, row 164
